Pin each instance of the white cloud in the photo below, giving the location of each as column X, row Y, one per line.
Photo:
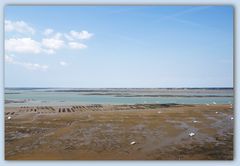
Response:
column 18, row 26
column 34, row 66
column 57, row 35
column 30, row 46
column 27, row 65
column 48, row 32
column 49, row 51
column 75, row 45
column 62, row 63
column 81, row 35
column 49, row 44
column 22, row 45
column 68, row 37
column 9, row 59
column 53, row 43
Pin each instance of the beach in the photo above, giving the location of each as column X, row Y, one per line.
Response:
column 120, row 132
column 119, row 82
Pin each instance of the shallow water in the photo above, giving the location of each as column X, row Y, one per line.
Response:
column 48, row 96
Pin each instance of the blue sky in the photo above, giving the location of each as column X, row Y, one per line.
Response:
column 118, row 46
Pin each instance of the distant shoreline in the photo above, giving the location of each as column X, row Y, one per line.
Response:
column 180, row 88
column 117, row 95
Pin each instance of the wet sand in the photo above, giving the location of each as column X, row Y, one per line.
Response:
column 120, row 132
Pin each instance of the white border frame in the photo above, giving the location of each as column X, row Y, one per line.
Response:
column 235, row 3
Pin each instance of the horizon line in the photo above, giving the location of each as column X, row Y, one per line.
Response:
column 222, row 87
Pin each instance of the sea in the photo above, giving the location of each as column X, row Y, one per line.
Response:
column 15, row 97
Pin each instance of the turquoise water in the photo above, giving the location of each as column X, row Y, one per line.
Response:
column 47, row 97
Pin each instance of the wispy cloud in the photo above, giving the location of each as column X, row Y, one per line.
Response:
column 177, row 17
column 34, row 66
column 82, row 35
column 18, row 26
column 9, row 59
column 185, row 12
column 194, row 24
column 48, row 31
column 63, row 63
column 75, row 45
column 52, row 43
column 68, row 37
column 26, row 65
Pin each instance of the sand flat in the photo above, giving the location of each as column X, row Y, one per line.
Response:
column 100, row 132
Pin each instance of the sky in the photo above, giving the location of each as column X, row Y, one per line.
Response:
column 118, row 46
